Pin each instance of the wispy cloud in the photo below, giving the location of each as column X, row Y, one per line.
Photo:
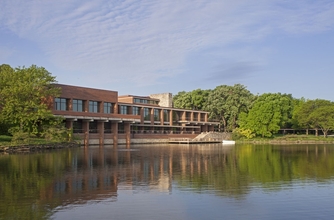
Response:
column 142, row 41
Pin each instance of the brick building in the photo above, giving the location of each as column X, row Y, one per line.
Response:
column 102, row 117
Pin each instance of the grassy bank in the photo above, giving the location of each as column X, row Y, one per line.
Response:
column 289, row 139
column 7, row 141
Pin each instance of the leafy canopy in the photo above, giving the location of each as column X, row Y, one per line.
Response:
column 270, row 112
column 25, row 94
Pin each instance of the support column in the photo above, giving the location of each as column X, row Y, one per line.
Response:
column 114, row 128
column 127, row 133
column 100, row 128
column 85, row 128
column 69, row 126
column 171, row 117
column 152, row 116
column 162, row 117
column 69, row 123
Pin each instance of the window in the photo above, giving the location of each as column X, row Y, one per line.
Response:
column 77, row 105
column 93, row 106
column 147, row 115
column 60, row 104
column 93, row 127
column 108, row 107
column 136, row 100
column 166, row 115
column 156, row 115
column 135, row 110
column 123, row 110
column 195, row 116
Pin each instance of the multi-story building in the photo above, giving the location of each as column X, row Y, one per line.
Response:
column 102, row 117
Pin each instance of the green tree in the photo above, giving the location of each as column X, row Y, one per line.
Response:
column 225, row 103
column 25, row 94
column 195, row 100
column 182, row 100
column 323, row 118
column 302, row 114
column 270, row 112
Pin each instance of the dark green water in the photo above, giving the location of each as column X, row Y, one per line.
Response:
column 170, row 182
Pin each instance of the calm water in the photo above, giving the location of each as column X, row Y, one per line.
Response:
column 170, row 182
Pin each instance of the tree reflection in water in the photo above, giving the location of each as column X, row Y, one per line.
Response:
column 36, row 185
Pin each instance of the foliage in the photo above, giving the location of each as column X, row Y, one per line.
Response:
column 239, row 133
column 323, row 118
column 195, row 100
column 182, row 100
column 225, row 103
column 25, row 93
column 57, row 132
column 316, row 114
column 270, row 112
column 20, row 137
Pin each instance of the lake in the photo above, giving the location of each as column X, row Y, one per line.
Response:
column 209, row 181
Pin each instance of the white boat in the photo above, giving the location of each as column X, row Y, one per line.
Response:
column 226, row 142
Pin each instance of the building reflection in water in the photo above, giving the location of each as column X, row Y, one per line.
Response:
column 96, row 173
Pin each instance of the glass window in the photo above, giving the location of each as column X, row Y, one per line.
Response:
column 93, row 106
column 108, row 107
column 147, row 115
column 135, row 110
column 136, row 100
column 156, row 115
column 77, row 105
column 166, row 115
column 123, row 110
column 60, row 104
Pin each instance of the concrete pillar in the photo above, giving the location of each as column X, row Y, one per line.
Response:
column 114, row 128
column 85, row 128
column 161, row 117
column 152, row 116
column 183, row 116
column 191, row 116
column 127, row 132
column 100, row 128
column 171, row 117
column 141, row 115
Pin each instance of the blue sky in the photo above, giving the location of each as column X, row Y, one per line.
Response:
column 155, row 46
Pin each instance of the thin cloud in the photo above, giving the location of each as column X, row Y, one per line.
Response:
column 234, row 72
column 143, row 41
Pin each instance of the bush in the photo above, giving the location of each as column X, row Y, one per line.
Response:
column 21, row 137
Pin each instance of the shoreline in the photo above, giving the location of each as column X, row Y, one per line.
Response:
column 285, row 141
column 36, row 148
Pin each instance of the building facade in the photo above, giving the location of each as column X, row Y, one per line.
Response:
column 102, row 117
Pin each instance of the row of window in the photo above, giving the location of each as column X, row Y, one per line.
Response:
column 62, row 104
column 145, row 101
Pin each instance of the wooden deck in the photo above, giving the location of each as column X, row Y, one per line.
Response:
column 194, row 141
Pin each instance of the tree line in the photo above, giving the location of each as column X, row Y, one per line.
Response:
column 25, row 97
column 249, row 115
column 25, row 107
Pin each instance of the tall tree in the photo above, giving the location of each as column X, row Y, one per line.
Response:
column 182, row 100
column 195, row 100
column 225, row 103
column 303, row 113
column 270, row 112
column 24, row 96
column 323, row 118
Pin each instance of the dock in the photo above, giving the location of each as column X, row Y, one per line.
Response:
column 194, row 141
